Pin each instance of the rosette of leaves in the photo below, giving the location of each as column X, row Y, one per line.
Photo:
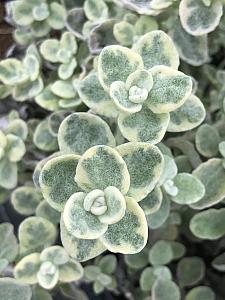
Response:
column 47, row 268
column 12, row 150
column 98, row 191
column 144, row 87
column 100, row 274
column 22, row 79
column 61, row 52
column 152, row 7
column 36, row 18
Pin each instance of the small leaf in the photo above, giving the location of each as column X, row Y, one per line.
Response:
column 212, row 174
column 26, row 269
column 201, row 292
column 63, row 89
column 55, row 254
column 95, row 10
column 15, row 148
column 190, row 271
column 165, row 290
column 144, row 163
column 159, row 217
column 43, row 139
column 170, row 90
column 208, row 224
column 188, row 116
column 47, row 99
column 48, row 275
column 100, row 167
column 108, row 264
column 156, row 48
column 143, row 126
column 117, row 63
column 9, row 245
column 190, row 189
column 79, row 222
column 25, row 199
column 65, row 71
column 70, row 271
column 198, row 19
column 147, row 279
column 12, row 71
column 12, row 289
column 45, row 211
column 218, row 263
column 80, row 249
column 207, row 140
column 137, row 261
column 8, row 174
column 80, row 131
column 57, row 180
column 36, row 233
column 161, row 253
column 22, row 13
column 130, row 234
column 124, row 33
column 19, row 128
column 57, row 16
column 49, row 49
column 152, row 202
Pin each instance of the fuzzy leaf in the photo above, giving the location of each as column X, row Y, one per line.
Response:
column 117, row 63
column 19, row 128
column 8, row 174
column 49, row 49
column 12, row 289
column 80, row 249
column 48, row 275
column 12, row 71
column 79, row 222
column 188, row 116
column 36, row 233
column 170, row 90
column 43, row 139
column 190, row 189
column 152, row 202
column 80, row 131
column 161, row 253
column 95, row 10
column 15, row 148
column 157, row 48
column 70, row 271
column 8, row 246
column 130, row 234
column 144, row 163
column 165, row 290
column 212, row 174
column 57, row 17
column 57, row 180
column 101, row 167
column 45, row 211
column 143, row 126
column 55, row 254
column 26, row 269
column 47, row 99
column 159, row 217
column 199, row 224
column 198, row 19
column 25, row 199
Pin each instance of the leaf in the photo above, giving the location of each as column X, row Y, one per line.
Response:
column 169, row 169
column 22, row 13
column 19, row 128
column 159, row 217
column 65, row 71
column 170, row 89
column 57, row 17
column 45, row 211
column 36, row 233
column 48, row 275
column 12, row 289
column 55, row 254
column 208, row 224
column 100, row 167
column 68, row 42
column 207, row 140
column 8, row 174
column 161, row 253
column 70, row 271
column 165, row 290
column 124, row 33
column 130, row 234
column 218, row 263
column 201, row 292
column 9, row 245
column 94, row 96
column 212, row 174
column 80, row 249
column 80, row 131
column 191, row 49
column 38, row 293
column 144, row 163
column 57, row 180
column 143, row 126
column 108, row 264
column 116, row 63
column 79, row 222
column 147, row 279
column 156, row 48
column 15, row 148
column 25, row 199
column 190, row 189
column 95, row 11
column 32, row 65
column 152, row 202
column 12, row 71
column 198, row 19
column 190, row 270
column 188, row 116
column 47, row 99
column 43, row 139
column 137, row 261
column 26, row 269
column 49, row 49
column 63, row 89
